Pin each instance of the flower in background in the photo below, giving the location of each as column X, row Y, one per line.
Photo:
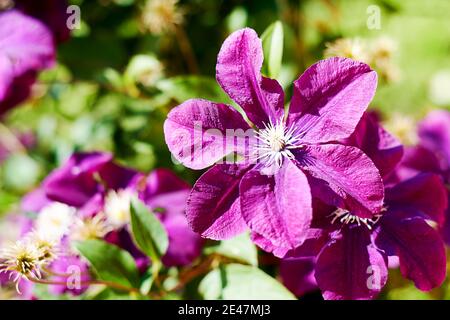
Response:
column 117, row 208
column 22, row 261
column 165, row 194
column 101, row 191
column 26, row 258
column 432, row 154
column 348, row 48
column 26, row 47
column 144, row 69
column 71, row 271
column 403, row 127
column 161, row 16
column 378, row 53
column 55, row 220
column 89, row 228
column 352, row 254
column 269, row 190
column 434, row 133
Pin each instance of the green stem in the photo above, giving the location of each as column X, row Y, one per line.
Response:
column 87, row 283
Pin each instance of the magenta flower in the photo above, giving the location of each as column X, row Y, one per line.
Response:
column 431, row 155
column 269, row 191
column 434, row 133
column 26, row 47
column 352, row 254
column 85, row 175
column 85, row 181
column 78, row 274
column 167, row 194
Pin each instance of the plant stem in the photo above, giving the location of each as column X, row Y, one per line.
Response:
column 87, row 283
column 192, row 273
column 186, row 49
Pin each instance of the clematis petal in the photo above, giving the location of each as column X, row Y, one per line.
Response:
column 425, row 193
column 213, row 207
column 384, row 149
column 277, row 207
column 116, row 176
column 74, row 182
column 184, row 245
column 26, row 47
column 238, row 71
column 200, row 133
column 415, row 160
column 348, row 172
column 34, row 201
column 419, row 247
column 330, row 98
column 297, row 275
column 7, row 76
column 26, row 41
column 434, row 132
column 161, row 181
column 61, row 267
column 350, row 267
column 315, row 239
column 279, row 251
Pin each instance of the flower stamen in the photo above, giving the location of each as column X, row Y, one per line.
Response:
column 275, row 142
column 346, row 217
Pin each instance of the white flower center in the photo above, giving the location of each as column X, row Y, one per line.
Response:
column 117, row 208
column 346, row 217
column 54, row 221
column 90, row 228
column 275, row 142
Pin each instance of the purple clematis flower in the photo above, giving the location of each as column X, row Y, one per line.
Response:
column 269, row 191
column 85, row 181
column 71, row 271
column 434, row 133
column 432, row 154
column 165, row 193
column 26, row 47
column 352, row 254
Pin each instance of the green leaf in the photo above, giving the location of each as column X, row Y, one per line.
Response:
column 148, row 232
column 240, row 248
column 110, row 262
column 272, row 41
column 235, row 281
column 182, row 88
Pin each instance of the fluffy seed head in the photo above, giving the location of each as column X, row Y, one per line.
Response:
column 160, row 16
column 54, row 221
column 117, row 208
column 21, row 259
column 90, row 228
